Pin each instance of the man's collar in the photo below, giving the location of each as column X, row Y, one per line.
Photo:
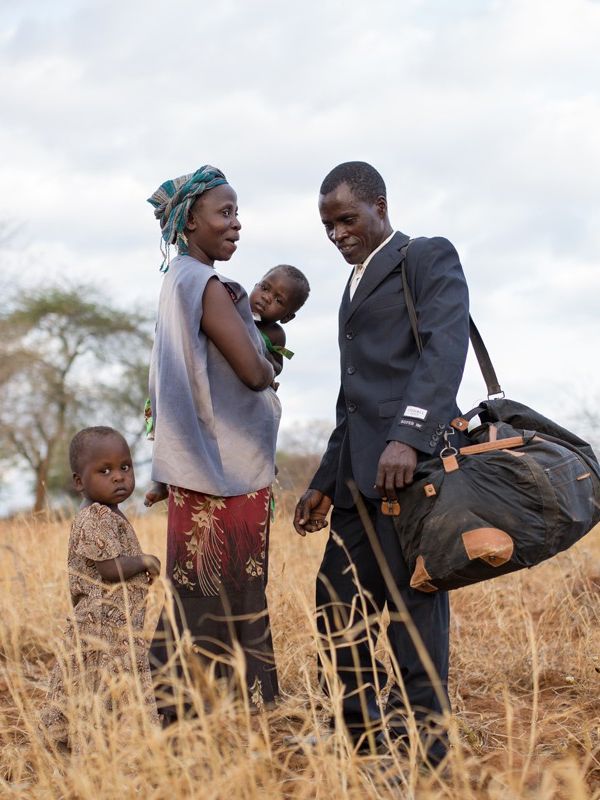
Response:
column 377, row 249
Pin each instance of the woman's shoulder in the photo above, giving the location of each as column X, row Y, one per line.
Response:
column 188, row 267
column 187, row 278
column 235, row 289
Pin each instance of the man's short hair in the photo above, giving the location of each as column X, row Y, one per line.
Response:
column 363, row 179
column 299, row 278
column 80, row 443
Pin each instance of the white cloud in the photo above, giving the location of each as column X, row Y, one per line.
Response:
column 482, row 116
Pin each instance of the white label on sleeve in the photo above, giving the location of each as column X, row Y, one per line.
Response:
column 416, row 412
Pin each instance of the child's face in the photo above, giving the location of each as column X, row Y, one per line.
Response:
column 107, row 475
column 274, row 297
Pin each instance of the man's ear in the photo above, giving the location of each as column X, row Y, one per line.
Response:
column 77, row 482
column 381, row 204
column 287, row 318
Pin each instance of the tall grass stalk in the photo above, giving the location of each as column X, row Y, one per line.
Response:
column 525, row 674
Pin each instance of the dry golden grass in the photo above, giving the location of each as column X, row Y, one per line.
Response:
column 524, row 686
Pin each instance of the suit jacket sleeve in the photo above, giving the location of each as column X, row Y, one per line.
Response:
column 441, row 298
column 324, row 478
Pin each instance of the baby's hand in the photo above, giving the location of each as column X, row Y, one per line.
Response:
column 156, row 493
column 152, row 566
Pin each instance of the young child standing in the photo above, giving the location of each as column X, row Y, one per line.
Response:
column 108, row 582
column 275, row 299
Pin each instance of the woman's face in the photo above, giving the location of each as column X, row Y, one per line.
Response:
column 213, row 228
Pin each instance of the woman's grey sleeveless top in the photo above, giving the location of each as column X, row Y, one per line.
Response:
column 212, row 433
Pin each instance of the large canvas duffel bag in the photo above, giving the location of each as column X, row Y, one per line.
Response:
column 523, row 489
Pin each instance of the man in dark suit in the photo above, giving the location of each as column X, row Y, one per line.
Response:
column 393, row 408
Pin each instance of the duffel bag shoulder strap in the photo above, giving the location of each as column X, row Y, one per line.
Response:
column 481, row 353
column 410, row 305
column 484, row 361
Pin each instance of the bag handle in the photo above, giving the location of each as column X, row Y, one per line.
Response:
column 481, row 353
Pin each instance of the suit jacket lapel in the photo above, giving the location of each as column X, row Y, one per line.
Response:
column 345, row 302
column 382, row 264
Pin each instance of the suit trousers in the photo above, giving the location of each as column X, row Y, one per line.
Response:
column 351, row 594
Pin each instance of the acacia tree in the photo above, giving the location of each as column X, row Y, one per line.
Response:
column 68, row 359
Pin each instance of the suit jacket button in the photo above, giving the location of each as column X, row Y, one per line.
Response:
column 432, row 442
column 352, row 407
column 351, row 370
column 349, row 335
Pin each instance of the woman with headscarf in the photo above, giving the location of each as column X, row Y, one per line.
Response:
column 215, row 419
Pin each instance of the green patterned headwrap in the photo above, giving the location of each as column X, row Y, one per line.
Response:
column 172, row 202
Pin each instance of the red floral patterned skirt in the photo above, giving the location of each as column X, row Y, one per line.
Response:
column 217, row 562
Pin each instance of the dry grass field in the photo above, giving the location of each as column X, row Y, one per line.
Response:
column 524, row 685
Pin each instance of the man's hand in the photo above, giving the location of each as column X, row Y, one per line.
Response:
column 395, row 469
column 311, row 511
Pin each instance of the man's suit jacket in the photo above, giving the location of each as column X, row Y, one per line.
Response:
column 388, row 392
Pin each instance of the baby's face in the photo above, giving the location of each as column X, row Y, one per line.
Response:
column 274, row 297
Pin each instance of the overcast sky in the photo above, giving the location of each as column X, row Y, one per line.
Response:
column 483, row 117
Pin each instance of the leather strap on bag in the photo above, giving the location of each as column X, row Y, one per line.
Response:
column 481, row 353
column 410, row 306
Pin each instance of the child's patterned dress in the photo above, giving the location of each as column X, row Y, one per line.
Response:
column 104, row 637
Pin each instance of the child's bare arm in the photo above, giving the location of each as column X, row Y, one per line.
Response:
column 123, row 567
column 276, row 335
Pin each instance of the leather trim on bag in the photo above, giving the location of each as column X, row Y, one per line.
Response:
column 491, row 545
column 459, row 424
column 420, row 577
column 486, row 447
column 450, row 463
